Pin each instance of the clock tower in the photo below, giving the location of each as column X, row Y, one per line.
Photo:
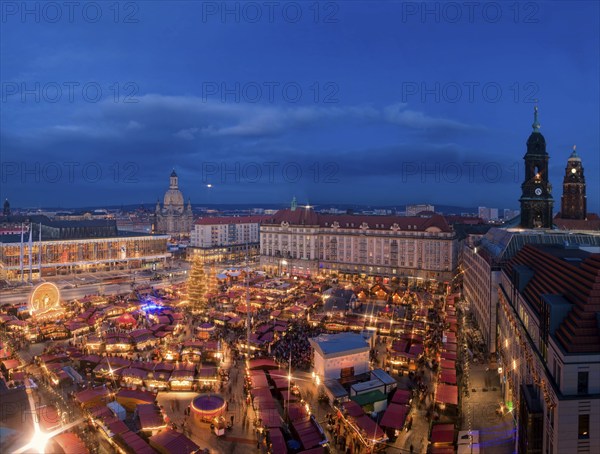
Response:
column 536, row 191
column 573, row 201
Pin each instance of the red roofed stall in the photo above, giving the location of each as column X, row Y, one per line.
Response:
column 67, row 442
column 446, row 394
column 442, row 434
column 277, row 442
column 395, row 416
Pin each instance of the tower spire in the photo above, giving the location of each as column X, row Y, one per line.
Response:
column 536, row 123
column 574, row 153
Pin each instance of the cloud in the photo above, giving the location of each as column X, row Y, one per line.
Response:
column 189, row 117
column 134, row 125
column 399, row 114
column 186, row 134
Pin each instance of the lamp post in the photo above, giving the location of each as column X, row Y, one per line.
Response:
column 287, row 407
column 283, row 264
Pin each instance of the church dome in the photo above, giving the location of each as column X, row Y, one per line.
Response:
column 173, row 197
column 536, row 138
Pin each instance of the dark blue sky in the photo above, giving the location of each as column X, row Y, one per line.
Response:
column 349, row 102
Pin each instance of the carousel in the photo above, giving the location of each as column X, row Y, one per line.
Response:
column 205, row 330
column 205, row 407
column 209, row 408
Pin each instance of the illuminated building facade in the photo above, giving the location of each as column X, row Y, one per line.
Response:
column 549, row 347
column 300, row 241
column 65, row 247
column 225, row 239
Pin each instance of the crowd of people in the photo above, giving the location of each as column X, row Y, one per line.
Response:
column 295, row 345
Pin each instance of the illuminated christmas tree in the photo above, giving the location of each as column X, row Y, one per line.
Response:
column 197, row 286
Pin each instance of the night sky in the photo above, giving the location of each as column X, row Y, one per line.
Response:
column 380, row 103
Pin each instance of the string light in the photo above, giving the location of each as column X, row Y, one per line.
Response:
column 528, row 355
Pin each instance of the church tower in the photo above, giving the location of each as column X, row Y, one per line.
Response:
column 173, row 217
column 573, row 202
column 536, row 191
column 173, row 180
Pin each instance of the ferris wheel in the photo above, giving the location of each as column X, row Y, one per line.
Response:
column 44, row 297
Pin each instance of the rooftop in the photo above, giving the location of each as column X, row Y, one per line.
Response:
column 226, row 220
column 16, row 238
column 566, row 271
column 501, row 244
column 590, row 224
column 369, row 398
column 308, row 217
column 337, row 344
column 383, row 376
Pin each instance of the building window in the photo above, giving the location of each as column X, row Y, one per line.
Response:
column 584, row 426
column 582, row 382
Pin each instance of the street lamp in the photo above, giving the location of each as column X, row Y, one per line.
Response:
column 287, row 408
column 38, row 442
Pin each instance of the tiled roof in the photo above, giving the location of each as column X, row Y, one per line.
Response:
column 298, row 216
column 150, row 416
column 456, row 219
column 336, row 344
column 592, row 223
column 573, row 274
column 308, row 217
column 223, row 220
column 170, row 441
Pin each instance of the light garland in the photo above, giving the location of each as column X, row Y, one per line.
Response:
column 508, row 311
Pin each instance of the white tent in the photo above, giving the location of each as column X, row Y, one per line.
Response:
column 117, row 409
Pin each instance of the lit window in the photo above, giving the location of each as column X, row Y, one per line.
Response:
column 584, row 426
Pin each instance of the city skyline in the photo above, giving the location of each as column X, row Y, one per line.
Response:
column 300, row 227
column 101, row 110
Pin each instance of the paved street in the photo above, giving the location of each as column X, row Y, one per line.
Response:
column 77, row 286
column 480, row 411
